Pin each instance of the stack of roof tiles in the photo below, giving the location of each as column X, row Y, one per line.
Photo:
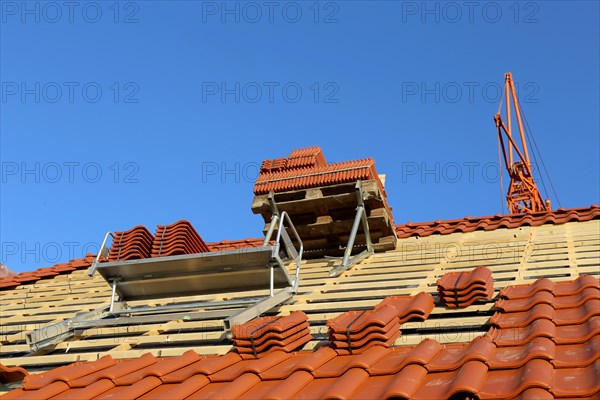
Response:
column 307, row 168
column 267, row 334
column 470, row 224
column 300, row 158
column 461, row 289
column 353, row 332
column 132, row 244
column 177, row 238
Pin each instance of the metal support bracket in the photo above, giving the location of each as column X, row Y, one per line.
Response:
column 103, row 252
column 262, row 306
column 53, row 334
column 359, row 219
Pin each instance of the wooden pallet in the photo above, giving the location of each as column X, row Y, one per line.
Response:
column 324, row 216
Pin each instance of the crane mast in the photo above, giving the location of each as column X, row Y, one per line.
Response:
column 523, row 195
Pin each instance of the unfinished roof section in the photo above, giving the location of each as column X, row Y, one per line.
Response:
column 518, row 255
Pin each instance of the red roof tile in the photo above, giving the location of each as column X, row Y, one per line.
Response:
column 410, row 308
column 553, row 299
column 8, row 283
column 355, row 321
column 468, row 224
column 560, row 317
column 564, row 288
column 571, row 334
column 14, row 374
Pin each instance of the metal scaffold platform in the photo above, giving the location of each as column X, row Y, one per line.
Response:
column 264, row 267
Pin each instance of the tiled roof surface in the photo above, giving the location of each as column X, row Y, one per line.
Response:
column 306, row 168
column 520, row 255
column 492, row 366
column 469, row 224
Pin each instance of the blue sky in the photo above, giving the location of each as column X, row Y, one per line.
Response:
column 115, row 114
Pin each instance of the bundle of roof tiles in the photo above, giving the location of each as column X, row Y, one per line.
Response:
column 168, row 240
column 264, row 335
column 300, row 158
column 461, row 289
column 353, row 332
column 177, row 238
column 307, row 168
column 132, row 244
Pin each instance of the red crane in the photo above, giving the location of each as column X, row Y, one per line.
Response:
column 523, row 195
